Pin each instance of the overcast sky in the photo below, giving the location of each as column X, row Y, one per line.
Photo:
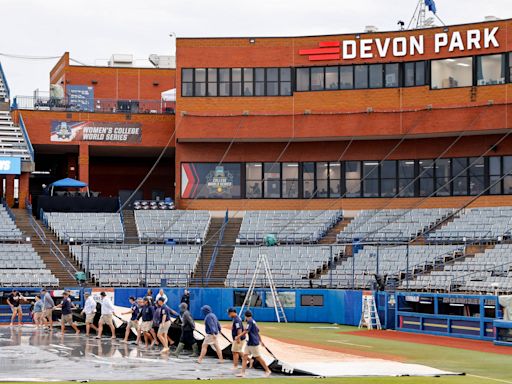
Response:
column 91, row 30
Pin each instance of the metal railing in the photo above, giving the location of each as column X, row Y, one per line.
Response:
column 4, row 81
column 69, row 104
column 27, row 139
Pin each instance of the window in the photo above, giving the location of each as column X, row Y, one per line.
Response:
column 253, row 176
column 331, row 78
column 302, row 79
column 236, row 82
column 406, row 178
column 371, row 179
column 187, row 82
column 388, row 178
column 346, row 77
column 334, row 179
column 495, row 175
column 224, row 81
column 490, row 70
column 212, row 82
column 285, row 81
column 308, row 177
column 391, row 75
column 322, row 179
column 426, row 173
column 200, row 82
column 507, row 173
column 311, row 300
column 353, row 178
column 476, row 175
column 317, row 79
column 361, row 76
column 248, row 81
column 376, row 73
column 290, row 180
column 510, row 67
column 272, row 180
column 460, row 178
column 272, row 82
column 421, row 70
column 452, row 73
column 443, row 177
column 414, row 74
column 259, row 85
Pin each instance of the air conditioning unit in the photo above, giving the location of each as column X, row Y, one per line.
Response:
column 163, row 61
column 120, row 60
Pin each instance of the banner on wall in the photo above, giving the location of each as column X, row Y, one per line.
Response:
column 10, row 165
column 81, row 97
column 72, row 131
column 210, row 181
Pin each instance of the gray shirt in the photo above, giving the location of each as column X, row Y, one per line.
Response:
column 48, row 301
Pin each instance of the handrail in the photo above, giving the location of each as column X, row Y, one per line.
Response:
column 215, row 252
column 34, row 224
column 4, row 80
column 25, row 136
column 490, row 269
column 9, row 211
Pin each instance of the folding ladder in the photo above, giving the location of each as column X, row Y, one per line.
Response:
column 369, row 315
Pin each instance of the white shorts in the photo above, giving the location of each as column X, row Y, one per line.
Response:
column 253, row 350
column 89, row 318
column 239, row 347
column 210, row 340
column 106, row 319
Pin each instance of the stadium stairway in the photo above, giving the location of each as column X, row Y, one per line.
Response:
column 330, row 237
column 63, row 268
column 224, row 255
column 130, row 228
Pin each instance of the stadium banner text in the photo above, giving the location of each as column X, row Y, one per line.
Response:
column 72, row 131
column 210, row 181
column 10, row 165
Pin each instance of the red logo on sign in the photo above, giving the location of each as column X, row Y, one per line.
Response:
column 327, row 50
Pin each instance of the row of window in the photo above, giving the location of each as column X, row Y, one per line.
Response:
column 404, row 178
column 439, row 74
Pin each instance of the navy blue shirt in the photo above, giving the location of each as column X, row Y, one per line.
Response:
column 66, row 306
column 165, row 310
column 254, row 333
column 237, row 326
column 156, row 316
column 147, row 313
column 135, row 312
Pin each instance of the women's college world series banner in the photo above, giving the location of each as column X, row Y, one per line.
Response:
column 69, row 131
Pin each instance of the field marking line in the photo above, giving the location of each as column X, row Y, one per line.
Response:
column 352, row 344
column 490, row 378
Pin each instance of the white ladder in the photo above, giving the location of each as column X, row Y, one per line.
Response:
column 369, row 315
column 262, row 264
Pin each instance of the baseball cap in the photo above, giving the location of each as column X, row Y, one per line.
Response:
column 103, row 294
column 231, row 310
column 248, row 313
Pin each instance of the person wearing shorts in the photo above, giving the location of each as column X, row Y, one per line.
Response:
column 253, row 345
column 187, row 332
column 14, row 300
column 48, row 304
column 212, row 329
column 165, row 324
column 107, row 313
column 67, row 316
column 146, row 316
column 237, row 327
column 90, row 313
column 134, row 319
column 38, row 312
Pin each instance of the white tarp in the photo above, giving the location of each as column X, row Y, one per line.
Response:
column 169, row 95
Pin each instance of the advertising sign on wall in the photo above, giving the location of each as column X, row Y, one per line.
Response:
column 10, row 165
column 81, row 97
column 210, row 181
column 72, row 131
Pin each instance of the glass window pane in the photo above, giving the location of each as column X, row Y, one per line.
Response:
column 388, row 187
column 259, row 89
column 361, row 76
column 236, row 74
column 224, row 74
column 346, row 77
column 248, row 74
column 272, row 180
column 388, row 169
column 409, row 77
column 285, row 74
column 302, row 79
column 507, row 165
column 507, row 185
column 426, row 168
column 272, row 74
column 452, row 73
column 371, row 169
column 322, row 175
column 376, row 73
column 420, row 72
column 308, row 175
column 212, row 89
column 490, row 70
column 391, row 75
column 495, row 185
column 459, row 165
column 353, row 178
column 317, row 79
column 273, row 88
column 285, row 88
column 200, row 89
column 426, row 172
column 331, row 77
column 212, row 74
column 442, row 169
column 406, row 187
column 224, row 89
column 253, row 183
column 406, row 168
column 187, row 89
column 290, row 180
column 335, row 179
column 477, row 166
column 426, row 186
column 187, row 75
column 200, row 75
column 371, row 188
column 236, row 89
column 260, row 74
column 495, row 165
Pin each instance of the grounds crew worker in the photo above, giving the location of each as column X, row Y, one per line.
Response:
column 253, row 345
column 212, row 329
column 238, row 347
column 187, row 332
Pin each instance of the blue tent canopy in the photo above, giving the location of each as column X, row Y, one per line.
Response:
column 68, row 183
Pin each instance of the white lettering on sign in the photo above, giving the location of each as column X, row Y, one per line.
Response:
column 349, row 49
column 5, row 165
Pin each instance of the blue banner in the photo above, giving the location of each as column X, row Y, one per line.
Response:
column 10, row 165
column 81, row 97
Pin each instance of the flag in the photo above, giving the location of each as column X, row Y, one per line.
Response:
column 431, row 4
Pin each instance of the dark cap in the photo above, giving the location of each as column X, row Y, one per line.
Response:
column 231, row 310
column 161, row 299
column 248, row 313
column 103, row 294
column 132, row 297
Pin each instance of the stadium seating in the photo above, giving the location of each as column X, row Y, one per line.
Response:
column 290, row 227
column 12, row 141
column 179, row 225
column 485, row 272
column 477, row 224
column 117, row 265
column 21, row 266
column 78, row 227
column 392, row 224
column 8, row 229
column 393, row 261
column 291, row 265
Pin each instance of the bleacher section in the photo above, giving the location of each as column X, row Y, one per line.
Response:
column 79, row 227
column 392, row 224
column 291, row 266
column 485, row 272
column 477, row 224
column 8, row 229
column 290, row 227
column 21, row 266
column 124, row 265
column 181, row 226
column 358, row 271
